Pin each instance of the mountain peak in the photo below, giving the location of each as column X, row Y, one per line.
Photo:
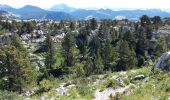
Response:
column 4, row 6
column 62, row 5
column 30, row 6
column 62, row 8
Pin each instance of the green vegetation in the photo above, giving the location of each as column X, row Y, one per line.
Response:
column 9, row 96
column 70, row 60
column 157, row 87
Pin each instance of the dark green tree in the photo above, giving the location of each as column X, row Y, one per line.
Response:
column 16, row 72
column 93, row 23
column 131, row 39
column 82, row 42
column 17, row 43
column 157, row 22
column 127, row 57
column 162, row 47
column 95, row 55
column 142, row 42
column 72, row 26
column 145, row 20
column 107, row 55
column 68, row 46
column 50, row 59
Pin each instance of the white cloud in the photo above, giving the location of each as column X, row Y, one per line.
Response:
column 131, row 4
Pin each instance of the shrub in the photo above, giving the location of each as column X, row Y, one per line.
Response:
column 117, row 96
column 79, row 70
column 6, row 95
column 112, row 83
column 83, row 88
column 126, row 81
column 46, row 84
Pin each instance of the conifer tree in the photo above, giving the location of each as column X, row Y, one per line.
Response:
column 50, row 59
column 16, row 71
column 161, row 47
column 72, row 26
column 107, row 55
column 145, row 21
column 157, row 22
column 68, row 46
column 93, row 23
column 130, row 38
column 82, row 42
column 17, row 43
column 95, row 55
column 127, row 57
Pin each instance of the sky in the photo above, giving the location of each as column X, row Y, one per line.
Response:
column 127, row 4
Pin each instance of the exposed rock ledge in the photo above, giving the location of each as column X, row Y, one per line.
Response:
column 163, row 62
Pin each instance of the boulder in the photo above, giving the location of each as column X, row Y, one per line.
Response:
column 163, row 62
column 139, row 77
column 118, row 79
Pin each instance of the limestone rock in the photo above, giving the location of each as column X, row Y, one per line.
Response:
column 139, row 77
column 163, row 62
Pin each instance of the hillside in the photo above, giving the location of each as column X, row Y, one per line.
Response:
column 5, row 14
column 119, row 86
column 85, row 59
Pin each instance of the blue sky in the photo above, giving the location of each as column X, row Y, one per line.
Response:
column 130, row 4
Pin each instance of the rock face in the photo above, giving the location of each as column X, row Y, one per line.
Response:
column 163, row 62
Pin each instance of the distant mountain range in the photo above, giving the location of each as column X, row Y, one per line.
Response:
column 33, row 12
column 64, row 12
column 5, row 14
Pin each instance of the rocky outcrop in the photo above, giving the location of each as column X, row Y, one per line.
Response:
column 163, row 62
column 104, row 95
column 139, row 77
column 63, row 88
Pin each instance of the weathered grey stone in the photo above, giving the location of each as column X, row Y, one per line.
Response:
column 162, row 63
column 139, row 77
column 120, row 81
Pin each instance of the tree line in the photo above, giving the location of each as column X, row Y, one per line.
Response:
column 89, row 47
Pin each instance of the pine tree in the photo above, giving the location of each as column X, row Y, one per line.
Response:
column 93, row 23
column 15, row 69
column 131, row 39
column 68, row 46
column 145, row 21
column 161, row 47
column 17, row 43
column 72, row 26
column 88, row 66
column 142, row 42
column 114, row 58
column 107, row 55
column 157, row 22
column 127, row 57
column 95, row 55
column 82, row 42
column 50, row 59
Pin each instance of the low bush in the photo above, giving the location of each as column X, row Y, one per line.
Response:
column 112, row 83
column 6, row 95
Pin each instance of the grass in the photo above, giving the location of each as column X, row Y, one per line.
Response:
column 6, row 95
column 157, row 87
column 144, row 70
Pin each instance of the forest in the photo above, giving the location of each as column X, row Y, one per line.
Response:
column 36, row 56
